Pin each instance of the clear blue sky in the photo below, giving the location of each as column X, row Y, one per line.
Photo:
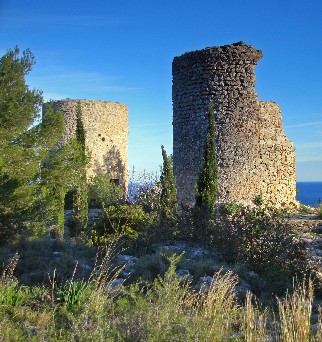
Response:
column 122, row 51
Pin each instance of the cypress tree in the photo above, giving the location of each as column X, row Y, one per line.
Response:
column 80, row 198
column 207, row 184
column 168, row 199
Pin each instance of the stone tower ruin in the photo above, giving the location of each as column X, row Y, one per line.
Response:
column 254, row 156
column 106, row 135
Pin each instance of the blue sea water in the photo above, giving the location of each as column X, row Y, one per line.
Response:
column 309, row 193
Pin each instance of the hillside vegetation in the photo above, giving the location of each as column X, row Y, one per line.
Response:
column 84, row 261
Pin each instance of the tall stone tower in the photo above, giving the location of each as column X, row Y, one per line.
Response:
column 106, row 135
column 253, row 154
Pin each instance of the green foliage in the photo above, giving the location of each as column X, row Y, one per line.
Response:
column 304, row 209
column 60, row 173
column 168, row 198
column 229, row 208
column 125, row 219
column 263, row 240
column 80, row 200
column 259, row 200
column 72, row 292
column 166, row 309
column 103, row 192
column 23, row 147
column 199, row 267
column 207, row 184
column 13, row 294
column 319, row 211
column 150, row 266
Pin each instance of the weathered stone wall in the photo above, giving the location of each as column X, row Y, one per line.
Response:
column 106, row 135
column 253, row 154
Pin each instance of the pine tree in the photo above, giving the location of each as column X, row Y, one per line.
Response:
column 207, row 185
column 168, row 200
column 23, row 146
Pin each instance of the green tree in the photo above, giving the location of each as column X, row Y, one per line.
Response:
column 168, row 198
column 80, row 198
column 207, row 184
column 62, row 173
column 22, row 146
column 59, row 175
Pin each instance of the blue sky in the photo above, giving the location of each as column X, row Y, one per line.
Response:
column 122, row 51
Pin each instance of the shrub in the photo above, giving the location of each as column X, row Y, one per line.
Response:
column 127, row 220
column 304, row 209
column 262, row 239
column 103, row 192
column 319, row 211
column 150, row 266
column 229, row 208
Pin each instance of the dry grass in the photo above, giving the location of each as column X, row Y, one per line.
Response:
column 219, row 307
column 295, row 314
column 255, row 321
column 167, row 310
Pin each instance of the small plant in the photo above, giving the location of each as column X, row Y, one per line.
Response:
column 259, row 200
column 150, row 266
column 71, row 292
column 12, row 294
column 305, row 210
column 229, row 208
column 319, row 211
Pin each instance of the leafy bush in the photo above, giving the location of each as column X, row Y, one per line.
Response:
column 262, row 239
column 229, row 208
column 103, row 192
column 125, row 219
column 150, row 266
column 13, row 294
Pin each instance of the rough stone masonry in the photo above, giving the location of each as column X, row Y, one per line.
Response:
column 253, row 154
column 106, row 135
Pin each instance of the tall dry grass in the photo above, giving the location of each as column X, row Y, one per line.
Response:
column 295, row 314
column 169, row 309
column 254, row 321
column 218, row 307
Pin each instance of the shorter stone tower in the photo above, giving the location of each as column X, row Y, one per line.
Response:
column 106, row 135
column 253, row 154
